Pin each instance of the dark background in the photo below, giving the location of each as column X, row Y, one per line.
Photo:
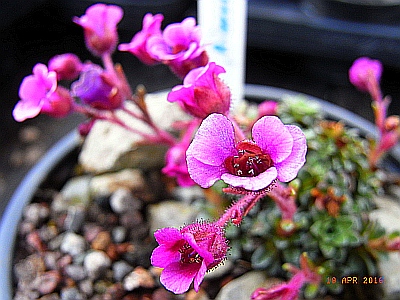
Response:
column 306, row 46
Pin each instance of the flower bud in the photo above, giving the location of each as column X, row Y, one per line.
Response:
column 67, row 66
column 95, row 88
column 100, row 27
column 203, row 92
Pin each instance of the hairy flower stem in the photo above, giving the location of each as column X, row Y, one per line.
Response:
column 239, row 210
column 164, row 136
column 284, row 197
column 110, row 116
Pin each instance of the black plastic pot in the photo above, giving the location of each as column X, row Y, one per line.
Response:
column 38, row 174
column 366, row 11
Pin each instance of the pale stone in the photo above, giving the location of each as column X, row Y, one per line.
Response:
column 220, row 270
column 242, row 287
column 388, row 215
column 73, row 244
column 95, row 263
column 106, row 184
column 171, row 214
column 109, row 147
column 74, row 193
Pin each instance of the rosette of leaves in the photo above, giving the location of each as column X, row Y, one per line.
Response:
column 335, row 191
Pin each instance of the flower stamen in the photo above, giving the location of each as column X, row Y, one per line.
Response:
column 250, row 161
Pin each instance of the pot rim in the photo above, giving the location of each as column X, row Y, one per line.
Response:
column 37, row 174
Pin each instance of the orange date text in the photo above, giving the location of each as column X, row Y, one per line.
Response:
column 355, row 280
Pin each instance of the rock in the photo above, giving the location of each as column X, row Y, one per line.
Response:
column 388, row 215
column 95, row 263
column 242, row 287
column 107, row 184
column 221, row 270
column 121, row 269
column 170, row 214
column 48, row 282
column 118, row 234
column 53, row 296
column 86, row 287
column 71, row 293
column 76, row 272
column 28, row 269
column 139, row 277
column 74, row 193
column 75, row 218
column 188, row 194
column 122, row 201
column 119, row 147
column 50, row 259
column 73, row 244
column 193, row 295
column 36, row 213
column 101, row 241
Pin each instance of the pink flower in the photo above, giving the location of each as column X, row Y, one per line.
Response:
column 277, row 151
column 267, row 108
column 67, row 66
column 179, row 47
column 365, row 72
column 100, row 27
column 39, row 93
column 151, row 27
column 203, row 92
column 284, row 291
column 96, row 88
column 187, row 254
column 307, row 273
column 176, row 165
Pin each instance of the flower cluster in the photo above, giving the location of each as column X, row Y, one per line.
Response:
column 256, row 158
column 178, row 46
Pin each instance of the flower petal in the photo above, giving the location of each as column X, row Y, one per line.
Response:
column 25, row 110
column 200, row 276
column 273, row 137
column 177, row 277
column 163, row 255
column 167, row 235
column 203, row 174
column 251, row 183
column 288, row 168
column 214, row 141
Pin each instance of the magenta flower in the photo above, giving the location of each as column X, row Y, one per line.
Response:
column 203, row 92
column 137, row 46
column 267, row 108
column 39, row 93
column 284, row 291
column 176, row 165
column 187, row 254
column 96, row 88
column 67, row 66
column 307, row 273
column 364, row 73
column 100, row 27
column 277, row 151
column 179, row 47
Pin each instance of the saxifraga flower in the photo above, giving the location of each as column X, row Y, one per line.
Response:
column 276, row 151
column 40, row 93
column 137, row 46
column 100, row 27
column 203, row 92
column 187, row 254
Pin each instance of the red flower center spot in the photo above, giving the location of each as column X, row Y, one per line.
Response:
column 189, row 255
column 249, row 162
